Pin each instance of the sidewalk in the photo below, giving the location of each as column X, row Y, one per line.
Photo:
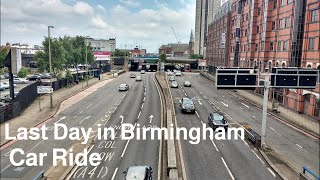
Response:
column 32, row 116
column 307, row 123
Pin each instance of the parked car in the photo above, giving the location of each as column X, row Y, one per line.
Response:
column 7, row 76
column 138, row 173
column 5, row 85
column 138, row 78
column 143, row 72
column 172, row 78
column 170, row 73
column 20, row 81
column 187, row 105
column 217, row 120
column 178, row 73
column 2, row 77
column 2, row 88
column 132, row 75
column 187, row 83
column 34, row 77
column 45, row 76
column 174, row 84
column 123, row 87
column 5, row 98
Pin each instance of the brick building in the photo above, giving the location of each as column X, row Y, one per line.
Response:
column 275, row 33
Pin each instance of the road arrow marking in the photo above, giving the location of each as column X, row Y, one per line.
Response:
column 151, row 117
column 121, row 117
column 224, row 104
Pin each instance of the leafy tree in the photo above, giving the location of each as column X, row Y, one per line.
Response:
column 23, row 72
column 163, row 57
column 120, row 53
column 196, row 56
column 3, row 54
column 42, row 62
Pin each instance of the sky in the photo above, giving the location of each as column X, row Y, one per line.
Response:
column 145, row 23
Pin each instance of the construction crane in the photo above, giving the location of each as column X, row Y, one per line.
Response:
column 175, row 35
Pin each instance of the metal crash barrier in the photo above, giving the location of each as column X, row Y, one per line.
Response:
column 252, row 136
column 306, row 174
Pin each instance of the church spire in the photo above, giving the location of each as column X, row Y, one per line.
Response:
column 191, row 36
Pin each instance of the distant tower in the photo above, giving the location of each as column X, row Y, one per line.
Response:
column 191, row 43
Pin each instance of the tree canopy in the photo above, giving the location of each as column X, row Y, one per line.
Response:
column 196, row 56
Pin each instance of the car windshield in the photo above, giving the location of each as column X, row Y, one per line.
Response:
column 123, row 85
column 136, row 173
column 188, row 101
column 218, row 117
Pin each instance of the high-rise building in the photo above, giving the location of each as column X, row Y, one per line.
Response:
column 205, row 11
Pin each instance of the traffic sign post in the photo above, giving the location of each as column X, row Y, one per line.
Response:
column 44, row 89
column 242, row 78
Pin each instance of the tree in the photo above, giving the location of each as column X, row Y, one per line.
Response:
column 163, row 57
column 196, row 56
column 41, row 60
column 23, row 72
column 3, row 55
column 57, row 54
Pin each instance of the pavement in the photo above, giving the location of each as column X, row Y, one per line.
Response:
column 100, row 105
column 290, row 145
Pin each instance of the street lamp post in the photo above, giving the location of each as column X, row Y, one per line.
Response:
column 125, row 58
column 50, row 65
column 87, row 69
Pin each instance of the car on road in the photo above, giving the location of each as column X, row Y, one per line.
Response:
column 138, row 78
column 178, row 73
column 187, row 105
column 7, row 76
column 123, row 87
column 2, row 88
column 34, row 77
column 187, row 83
column 138, row 173
column 172, row 78
column 170, row 73
column 45, row 76
column 132, row 75
column 20, row 81
column 174, row 84
column 5, row 85
column 216, row 120
column 5, row 98
column 142, row 71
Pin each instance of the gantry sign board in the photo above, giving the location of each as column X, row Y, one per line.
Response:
column 44, row 89
column 244, row 78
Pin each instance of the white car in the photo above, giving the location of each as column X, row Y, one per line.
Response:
column 123, row 87
column 138, row 78
column 178, row 73
column 143, row 72
column 171, row 78
column 6, row 85
column 170, row 73
column 20, row 81
column 187, row 84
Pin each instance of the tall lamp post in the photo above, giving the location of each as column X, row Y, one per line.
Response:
column 87, row 69
column 50, row 65
column 125, row 58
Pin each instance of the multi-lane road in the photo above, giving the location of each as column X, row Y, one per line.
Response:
column 104, row 106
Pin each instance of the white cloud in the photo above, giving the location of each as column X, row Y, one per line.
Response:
column 83, row 8
column 98, row 22
column 132, row 3
column 101, row 8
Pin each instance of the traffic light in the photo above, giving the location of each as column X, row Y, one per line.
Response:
column 236, row 78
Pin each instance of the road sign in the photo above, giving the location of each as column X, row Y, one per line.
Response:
column 44, row 89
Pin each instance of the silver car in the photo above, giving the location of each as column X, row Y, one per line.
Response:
column 123, row 87
column 138, row 173
column 172, row 78
column 138, row 78
column 174, row 84
column 187, row 84
column 187, row 105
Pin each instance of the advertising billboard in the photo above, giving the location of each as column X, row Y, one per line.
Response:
column 101, row 56
column 202, row 62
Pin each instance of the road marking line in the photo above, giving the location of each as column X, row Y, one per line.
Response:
column 209, row 102
column 245, row 105
column 224, row 104
column 225, row 164
column 272, row 128
column 299, row 146
column 200, row 92
column 5, row 168
column 35, row 146
column 139, row 115
column 114, row 174
column 84, row 119
column 215, row 146
column 274, row 175
column 89, row 105
column 197, row 114
column 185, row 94
column 77, row 115
column 200, row 102
column 60, row 119
column 145, row 93
column 125, row 148
column 257, row 156
column 142, row 105
column 144, row 99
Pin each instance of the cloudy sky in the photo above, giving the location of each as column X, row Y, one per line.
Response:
column 133, row 22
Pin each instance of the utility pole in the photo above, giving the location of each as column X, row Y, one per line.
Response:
column 50, row 65
column 87, row 69
column 265, row 109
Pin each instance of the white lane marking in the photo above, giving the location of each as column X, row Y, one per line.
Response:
column 245, row 105
column 151, row 117
column 299, row 146
column 209, row 102
column 224, row 104
column 139, row 115
column 84, row 119
column 77, row 115
column 225, row 164
column 145, row 93
column 197, row 114
column 272, row 128
column 185, row 94
column 142, row 105
column 257, row 156
column 114, row 174
column 61, row 119
column 202, row 122
column 5, row 168
column 215, row 146
column 200, row 102
column 200, row 92
column 274, row 175
column 35, row 145
column 89, row 105
column 125, row 148
column 144, row 99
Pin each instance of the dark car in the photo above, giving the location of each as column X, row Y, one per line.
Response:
column 5, row 98
column 34, row 77
column 187, row 105
column 217, row 120
column 138, row 173
column 45, row 76
column 7, row 76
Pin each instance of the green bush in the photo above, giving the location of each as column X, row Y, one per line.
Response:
column 23, row 72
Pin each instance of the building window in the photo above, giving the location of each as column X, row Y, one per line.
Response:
column 273, row 25
column 285, row 45
column 246, row 32
column 280, row 23
column 271, row 46
column 259, row 11
column 311, row 43
column 279, row 45
column 258, row 29
column 262, row 46
column 275, row 4
column 256, row 48
column 282, row 2
column 287, row 22
column 314, row 15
